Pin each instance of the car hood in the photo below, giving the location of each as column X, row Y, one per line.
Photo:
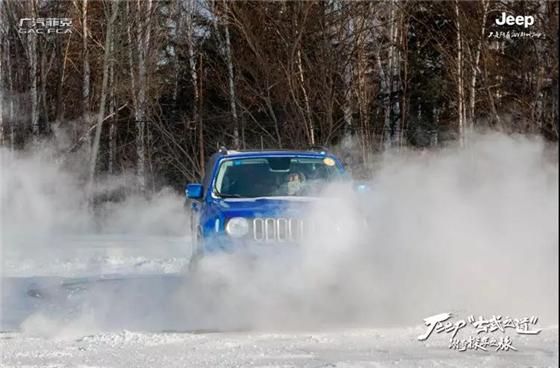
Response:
column 266, row 206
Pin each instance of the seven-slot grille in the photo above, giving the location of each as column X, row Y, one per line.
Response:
column 269, row 229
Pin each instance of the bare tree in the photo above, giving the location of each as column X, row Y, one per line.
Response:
column 387, row 75
column 475, row 64
column 10, row 88
column 196, row 106
column 86, row 73
column 460, row 90
column 348, row 74
column 112, row 111
column 231, row 83
column 107, row 60
column 59, row 105
column 144, row 10
column 32, row 59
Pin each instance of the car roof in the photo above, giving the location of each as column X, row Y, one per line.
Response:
column 261, row 153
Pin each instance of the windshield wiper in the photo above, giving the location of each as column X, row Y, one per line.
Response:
column 229, row 195
column 226, row 195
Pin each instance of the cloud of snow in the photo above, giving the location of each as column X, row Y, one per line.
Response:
column 468, row 231
column 50, row 239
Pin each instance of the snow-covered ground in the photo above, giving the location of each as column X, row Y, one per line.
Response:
column 396, row 347
column 110, row 301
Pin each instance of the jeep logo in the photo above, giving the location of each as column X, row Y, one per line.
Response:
column 520, row 20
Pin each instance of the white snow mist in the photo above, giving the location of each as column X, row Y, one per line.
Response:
column 469, row 231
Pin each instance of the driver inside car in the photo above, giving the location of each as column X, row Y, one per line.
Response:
column 295, row 183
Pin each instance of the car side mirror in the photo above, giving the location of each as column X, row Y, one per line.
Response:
column 193, row 191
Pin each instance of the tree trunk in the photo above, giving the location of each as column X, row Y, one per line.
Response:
column 197, row 92
column 112, row 126
column 11, row 107
column 43, row 97
column 475, row 66
column 192, row 60
column 403, row 79
column 176, row 62
column 386, row 102
column 60, row 84
column 347, row 106
column 131, row 58
column 201, row 152
column 460, row 108
column 231, row 84
column 32, row 54
column 107, row 59
column 389, row 130
column 395, row 80
column 363, row 96
column 86, row 75
column 143, row 43
column 310, row 126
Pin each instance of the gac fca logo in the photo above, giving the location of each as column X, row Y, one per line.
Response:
column 45, row 25
column 520, row 20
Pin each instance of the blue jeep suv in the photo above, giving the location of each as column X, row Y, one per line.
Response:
column 257, row 197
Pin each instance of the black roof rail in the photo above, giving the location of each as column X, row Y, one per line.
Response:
column 318, row 148
column 223, row 150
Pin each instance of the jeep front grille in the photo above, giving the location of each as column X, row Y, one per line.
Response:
column 279, row 229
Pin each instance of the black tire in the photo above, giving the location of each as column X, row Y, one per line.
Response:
column 196, row 254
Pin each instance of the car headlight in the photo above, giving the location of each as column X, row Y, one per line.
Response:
column 237, row 227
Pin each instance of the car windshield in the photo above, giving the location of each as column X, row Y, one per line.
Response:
column 274, row 177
